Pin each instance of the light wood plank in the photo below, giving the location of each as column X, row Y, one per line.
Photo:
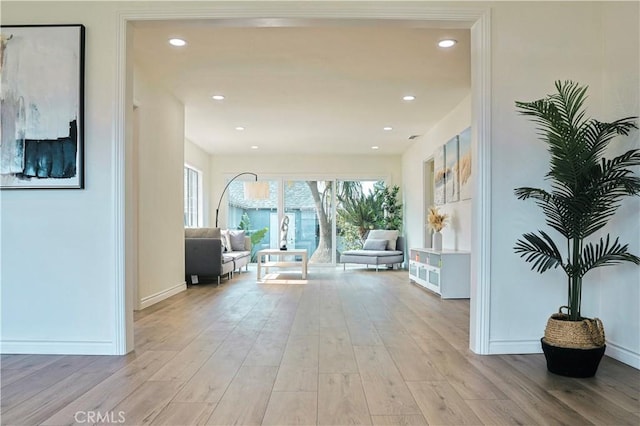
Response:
column 145, row 403
column 528, row 395
column 441, row 404
column 406, row 420
column 108, row 393
column 301, row 350
column 336, row 352
column 414, row 365
column 245, row 401
column 465, row 378
column 268, row 349
column 183, row 366
column 363, row 333
column 291, row 408
column 383, row 385
column 29, row 362
column 41, row 379
column 499, row 412
column 341, row 400
column 37, row 409
column 296, row 379
column 184, row 413
column 598, row 410
column 210, row 382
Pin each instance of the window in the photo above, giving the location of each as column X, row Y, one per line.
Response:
column 326, row 216
column 192, row 197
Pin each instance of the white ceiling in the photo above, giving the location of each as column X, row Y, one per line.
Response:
column 319, row 89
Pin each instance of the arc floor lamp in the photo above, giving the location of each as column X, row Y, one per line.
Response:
column 225, row 190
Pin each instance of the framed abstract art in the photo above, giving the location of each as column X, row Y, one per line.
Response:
column 452, row 183
column 42, row 94
column 464, row 164
column 439, row 177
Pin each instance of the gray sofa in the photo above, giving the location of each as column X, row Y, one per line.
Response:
column 210, row 255
column 381, row 247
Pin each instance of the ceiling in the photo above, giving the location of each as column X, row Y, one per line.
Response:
column 327, row 89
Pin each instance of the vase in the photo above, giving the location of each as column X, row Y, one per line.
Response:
column 436, row 241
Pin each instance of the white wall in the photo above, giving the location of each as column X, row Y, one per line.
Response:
column 198, row 158
column 532, row 46
column 300, row 166
column 457, row 234
column 58, row 265
column 617, row 290
column 161, row 203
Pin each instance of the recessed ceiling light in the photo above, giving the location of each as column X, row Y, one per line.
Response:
column 177, row 42
column 375, row 147
column 218, row 97
column 387, row 128
column 408, row 98
column 254, row 146
column 239, row 128
column 448, row 42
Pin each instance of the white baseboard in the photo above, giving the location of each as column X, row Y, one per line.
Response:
column 506, row 347
column 51, row 347
column 623, row 355
column 500, row 347
column 145, row 302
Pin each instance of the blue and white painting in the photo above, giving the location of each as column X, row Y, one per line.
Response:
column 42, row 71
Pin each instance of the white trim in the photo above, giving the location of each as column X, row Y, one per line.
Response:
column 53, row 347
column 145, row 302
column 286, row 13
column 200, row 177
column 480, row 308
column 623, row 355
column 497, row 347
column 121, row 325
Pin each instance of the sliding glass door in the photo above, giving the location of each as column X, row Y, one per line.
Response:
column 326, row 217
column 251, row 207
column 309, row 204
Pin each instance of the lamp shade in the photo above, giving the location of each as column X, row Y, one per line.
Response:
column 256, row 190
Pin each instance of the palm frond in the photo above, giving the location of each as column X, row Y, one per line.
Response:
column 605, row 254
column 600, row 196
column 596, row 135
column 525, row 192
column 542, row 252
column 569, row 101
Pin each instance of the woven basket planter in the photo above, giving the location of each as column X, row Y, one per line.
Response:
column 573, row 348
column 583, row 334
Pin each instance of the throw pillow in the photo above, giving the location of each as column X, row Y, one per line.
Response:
column 375, row 244
column 385, row 234
column 224, row 239
column 236, row 238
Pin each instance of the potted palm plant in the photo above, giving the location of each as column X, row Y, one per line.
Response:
column 585, row 191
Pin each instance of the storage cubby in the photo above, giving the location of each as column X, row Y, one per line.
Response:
column 443, row 272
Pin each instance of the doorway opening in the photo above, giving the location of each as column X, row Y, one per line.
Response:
column 476, row 19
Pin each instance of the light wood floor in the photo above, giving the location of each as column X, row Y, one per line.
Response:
column 347, row 348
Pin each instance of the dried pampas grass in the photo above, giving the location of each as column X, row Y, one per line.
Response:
column 436, row 220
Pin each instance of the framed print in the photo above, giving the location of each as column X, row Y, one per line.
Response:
column 439, row 174
column 452, row 188
column 42, row 95
column 464, row 164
